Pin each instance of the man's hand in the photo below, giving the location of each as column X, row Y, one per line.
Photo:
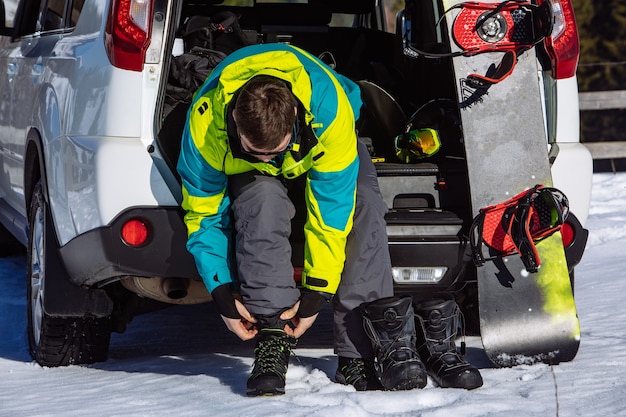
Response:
column 243, row 327
column 236, row 316
column 302, row 323
column 304, row 312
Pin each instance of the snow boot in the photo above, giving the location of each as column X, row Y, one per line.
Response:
column 437, row 324
column 359, row 373
column 390, row 325
column 271, row 358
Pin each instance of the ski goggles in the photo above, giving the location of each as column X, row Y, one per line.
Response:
column 417, row 144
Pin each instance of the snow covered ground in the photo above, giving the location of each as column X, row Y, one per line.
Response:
column 181, row 361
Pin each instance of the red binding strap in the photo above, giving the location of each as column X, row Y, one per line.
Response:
column 515, row 225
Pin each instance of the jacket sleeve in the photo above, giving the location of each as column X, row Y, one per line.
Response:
column 207, row 218
column 331, row 197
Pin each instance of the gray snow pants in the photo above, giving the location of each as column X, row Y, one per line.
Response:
column 263, row 211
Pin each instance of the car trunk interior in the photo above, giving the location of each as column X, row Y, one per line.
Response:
column 427, row 197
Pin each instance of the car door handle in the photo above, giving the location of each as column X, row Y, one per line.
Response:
column 12, row 68
column 37, row 70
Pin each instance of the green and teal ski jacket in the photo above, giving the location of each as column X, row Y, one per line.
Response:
column 325, row 151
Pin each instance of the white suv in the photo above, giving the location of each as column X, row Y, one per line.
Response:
column 87, row 158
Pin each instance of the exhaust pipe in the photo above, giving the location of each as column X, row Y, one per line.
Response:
column 175, row 288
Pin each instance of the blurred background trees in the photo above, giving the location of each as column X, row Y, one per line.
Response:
column 602, row 67
column 602, row 32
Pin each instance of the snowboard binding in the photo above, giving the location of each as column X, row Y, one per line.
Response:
column 512, row 27
column 516, row 224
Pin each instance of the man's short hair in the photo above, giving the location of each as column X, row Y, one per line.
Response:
column 265, row 111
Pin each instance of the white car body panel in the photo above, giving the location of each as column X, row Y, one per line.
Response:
column 573, row 166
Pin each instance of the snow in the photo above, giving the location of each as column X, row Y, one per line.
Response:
column 182, row 362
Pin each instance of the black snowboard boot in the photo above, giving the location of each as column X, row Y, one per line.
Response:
column 271, row 359
column 437, row 324
column 359, row 373
column 390, row 325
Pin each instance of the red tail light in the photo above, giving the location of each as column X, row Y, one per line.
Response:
column 134, row 232
column 128, row 33
column 568, row 234
column 563, row 46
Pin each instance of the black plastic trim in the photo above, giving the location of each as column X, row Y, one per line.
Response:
column 387, row 169
column 447, row 251
column 423, row 217
column 574, row 252
column 100, row 255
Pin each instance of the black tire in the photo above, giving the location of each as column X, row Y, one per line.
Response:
column 56, row 341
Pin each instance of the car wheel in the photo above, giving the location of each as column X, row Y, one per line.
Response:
column 56, row 341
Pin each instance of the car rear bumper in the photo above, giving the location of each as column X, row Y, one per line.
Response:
column 100, row 256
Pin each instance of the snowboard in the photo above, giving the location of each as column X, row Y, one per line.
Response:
column 524, row 317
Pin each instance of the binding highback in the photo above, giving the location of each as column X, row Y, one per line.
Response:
column 514, row 226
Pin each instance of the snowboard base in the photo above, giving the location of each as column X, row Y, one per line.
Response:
column 529, row 317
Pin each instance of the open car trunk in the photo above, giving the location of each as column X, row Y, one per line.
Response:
column 428, row 199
